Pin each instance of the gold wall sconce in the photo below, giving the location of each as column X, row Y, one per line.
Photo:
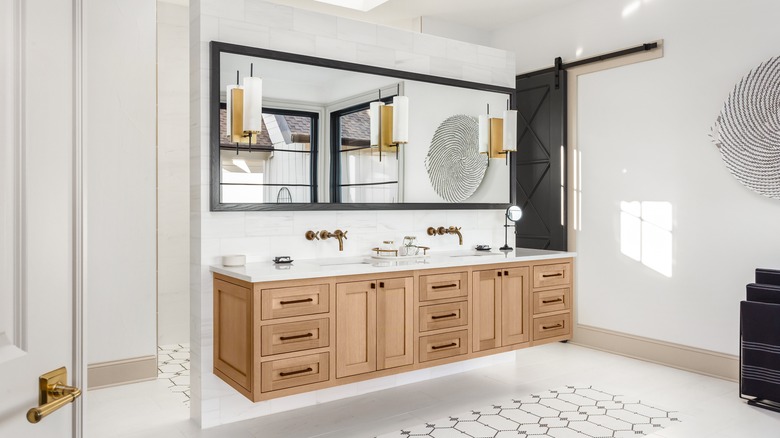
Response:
column 389, row 123
column 498, row 136
column 245, row 110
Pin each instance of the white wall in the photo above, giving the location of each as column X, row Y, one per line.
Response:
column 120, row 173
column 427, row 111
column 173, row 167
column 261, row 235
column 643, row 136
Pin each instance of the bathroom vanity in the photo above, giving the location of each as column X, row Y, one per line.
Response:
column 286, row 329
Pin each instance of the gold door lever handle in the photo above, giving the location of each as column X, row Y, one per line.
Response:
column 53, row 394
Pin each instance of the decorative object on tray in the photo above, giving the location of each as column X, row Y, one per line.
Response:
column 482, row 247
column 409, row 247
column 392, row 254
column 454, row 164
column 747, row 131
column 283, row 259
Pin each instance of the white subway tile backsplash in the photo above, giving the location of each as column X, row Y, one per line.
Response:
column 269, row 14
column 209, row 29
column 293, row 42
column 314, row 23
column 461, row 52
column 233, row 9
column 413, row 62
column 429, row 45
column 333, row 48
column 446, row 68
column 376, row 56
column 241, row 32
column 269, row 223
column 356, row 31
column 396, row 39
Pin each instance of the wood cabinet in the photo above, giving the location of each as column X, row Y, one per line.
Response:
column 501, row 303
column 278, row 338
column 374, row 325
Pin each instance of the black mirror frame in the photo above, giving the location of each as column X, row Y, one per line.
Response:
column 217, row 48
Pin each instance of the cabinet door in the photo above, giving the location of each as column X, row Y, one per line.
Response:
column 233, row 332
column 355, row 328
column 395, row 322
column 515, row 302
column 487, row 309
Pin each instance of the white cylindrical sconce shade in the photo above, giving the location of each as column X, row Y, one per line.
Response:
column 375, row 116
column 253, row 104
column 400, row 119
column 484, row 134
column 510, row 131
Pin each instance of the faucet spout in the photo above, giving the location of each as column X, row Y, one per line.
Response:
column 456, row 230
column 338, row 234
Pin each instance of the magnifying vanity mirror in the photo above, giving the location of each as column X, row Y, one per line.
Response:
column 328, row 138
column 513, row 214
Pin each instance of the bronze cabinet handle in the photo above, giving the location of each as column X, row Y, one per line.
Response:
column 373, row 285
column 444, row 286
column 439, row 347
column 544, row 327
column 506, row 273
column 444, row 316
column 557, row 300
column 499, row 273
column 552, row 275
column 305, row 300
column 289, row 338
column 292, row 373
column 381, row 284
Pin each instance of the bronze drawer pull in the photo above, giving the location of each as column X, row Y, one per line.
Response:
column 439, row 347
column 292, row 373
column 557, row 300
column 305, row 300
column 552, row 326
column 289, row 338
column 444, row 316
column 444, row 286
column 552, row 275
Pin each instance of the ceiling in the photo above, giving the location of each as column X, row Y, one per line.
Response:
column 487, row 15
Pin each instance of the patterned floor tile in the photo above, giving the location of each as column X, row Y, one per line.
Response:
column 173, row 365
column 571, row 412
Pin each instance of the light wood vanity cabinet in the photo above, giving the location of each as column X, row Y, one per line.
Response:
column 279, row 338
column 374, row 325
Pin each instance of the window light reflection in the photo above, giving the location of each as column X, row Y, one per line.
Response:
column 646, row 234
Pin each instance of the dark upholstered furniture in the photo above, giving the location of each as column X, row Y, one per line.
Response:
column 759, row 365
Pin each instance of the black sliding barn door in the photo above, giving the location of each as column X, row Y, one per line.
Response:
column 541, row 124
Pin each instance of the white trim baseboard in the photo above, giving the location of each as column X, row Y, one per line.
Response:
column 697, row 360
column 121, row 372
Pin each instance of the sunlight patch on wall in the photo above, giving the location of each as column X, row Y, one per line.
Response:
column 646, row 234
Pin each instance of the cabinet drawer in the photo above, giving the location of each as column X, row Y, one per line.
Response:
column 294, row 301
column 444, row 345
column 552, row 275
column 551, row 326
column 296, row 371
column 552, row 300
column 439, row 316
column 439, row 286
column 294, row 336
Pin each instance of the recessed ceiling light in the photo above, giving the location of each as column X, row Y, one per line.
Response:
column 360, row 5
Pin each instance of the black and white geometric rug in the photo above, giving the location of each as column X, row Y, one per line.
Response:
column 570, row 412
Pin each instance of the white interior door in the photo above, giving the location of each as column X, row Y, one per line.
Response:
column 38, row 200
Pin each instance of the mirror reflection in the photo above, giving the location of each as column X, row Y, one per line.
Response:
column 325, row 135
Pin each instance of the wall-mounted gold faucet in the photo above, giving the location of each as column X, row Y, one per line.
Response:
column 442, row 231
column 325, row 235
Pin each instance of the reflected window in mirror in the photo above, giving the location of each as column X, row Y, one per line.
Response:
column 278, row 167
column 362, row 173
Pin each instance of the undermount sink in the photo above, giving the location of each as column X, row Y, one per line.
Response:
column 476, row 254
column 345, row 263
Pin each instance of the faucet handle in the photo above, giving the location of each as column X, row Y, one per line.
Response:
column 441, row 231
column 312, row 235
column 344, row 235
column 324, row 234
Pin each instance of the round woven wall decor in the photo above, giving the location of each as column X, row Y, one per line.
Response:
column 747, row 131
column 454, row 164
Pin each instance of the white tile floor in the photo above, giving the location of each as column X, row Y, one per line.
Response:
column 707, row 407
column 173, row 366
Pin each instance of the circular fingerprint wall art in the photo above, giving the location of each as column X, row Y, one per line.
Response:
column 454, row 164
column 747, row 131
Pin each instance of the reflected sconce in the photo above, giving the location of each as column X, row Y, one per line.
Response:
column 389, row 123
column 498, row 136
column 245, row 110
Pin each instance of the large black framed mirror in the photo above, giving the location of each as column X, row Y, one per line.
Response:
column 317, row 148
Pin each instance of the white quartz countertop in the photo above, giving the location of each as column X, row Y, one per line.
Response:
column 332, row 267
